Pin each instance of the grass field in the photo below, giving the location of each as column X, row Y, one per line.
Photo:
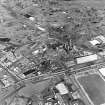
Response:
column 94, row 86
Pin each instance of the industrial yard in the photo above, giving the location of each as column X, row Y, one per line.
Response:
column 52, row 52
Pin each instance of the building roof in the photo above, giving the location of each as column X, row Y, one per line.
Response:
column 87, row 59
column 62, row 88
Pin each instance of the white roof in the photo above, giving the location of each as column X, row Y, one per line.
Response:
column 87, row 59
column 102, row 71
column 101, row 37
column 31, row 18
column 41, row 28
column 35, row 52
column 94, row 42
column 62, row 88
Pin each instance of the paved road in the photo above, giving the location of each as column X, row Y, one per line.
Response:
column 21, row 84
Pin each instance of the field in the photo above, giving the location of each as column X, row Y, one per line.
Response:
column 99, row 4
column 31, row 89
column 94, row 86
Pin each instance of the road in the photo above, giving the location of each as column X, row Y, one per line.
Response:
column 19, row 85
